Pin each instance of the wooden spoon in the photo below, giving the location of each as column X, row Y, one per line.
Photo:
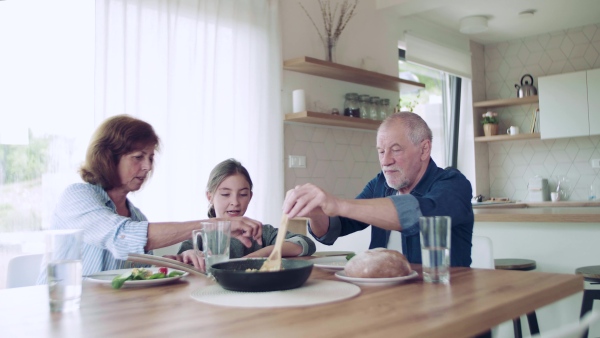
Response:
column 161, row 261
column 273, row 262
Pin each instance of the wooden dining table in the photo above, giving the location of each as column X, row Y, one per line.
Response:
column 474, row 301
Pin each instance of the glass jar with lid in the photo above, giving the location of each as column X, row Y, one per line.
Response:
column 374, row 108
column 384, row 108
column 363, row 105
column 351, row 108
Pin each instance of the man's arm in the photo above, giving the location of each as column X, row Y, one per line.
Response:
column 313, row 202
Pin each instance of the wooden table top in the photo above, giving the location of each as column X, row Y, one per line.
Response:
column 474, row 301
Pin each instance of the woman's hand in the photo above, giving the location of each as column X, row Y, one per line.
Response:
column 190, row 257
column 245, row 229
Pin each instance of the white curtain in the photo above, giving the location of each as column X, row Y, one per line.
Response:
column 206, row 74
column 466, row 148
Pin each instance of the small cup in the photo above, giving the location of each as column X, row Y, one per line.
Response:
column 593, row 193
column 298, row 101
column 215, row 239
column 513, row 130
column 63, row 268
column 435, row 248
column 555, row 196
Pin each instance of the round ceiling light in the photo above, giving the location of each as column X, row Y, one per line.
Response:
column 473, row 24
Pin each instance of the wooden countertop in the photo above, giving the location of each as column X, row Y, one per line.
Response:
column 475, row 300
column 554, row 212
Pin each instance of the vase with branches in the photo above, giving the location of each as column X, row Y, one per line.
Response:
column 334, row 23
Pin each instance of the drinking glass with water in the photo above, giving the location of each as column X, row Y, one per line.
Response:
column 435, row 248
column 215, row 238
column 63, row 267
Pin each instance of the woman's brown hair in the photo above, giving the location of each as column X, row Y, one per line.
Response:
column 115, row 137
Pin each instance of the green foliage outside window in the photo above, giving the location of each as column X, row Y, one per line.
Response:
column 20, row 163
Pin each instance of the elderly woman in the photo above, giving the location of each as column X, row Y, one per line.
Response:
column 119, row 160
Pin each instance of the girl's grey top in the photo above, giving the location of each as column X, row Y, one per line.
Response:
column 238, row 250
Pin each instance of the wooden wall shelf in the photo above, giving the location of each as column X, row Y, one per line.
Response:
column 332, row 120
column 312, row 66
column 506, row 102
column 517, row 137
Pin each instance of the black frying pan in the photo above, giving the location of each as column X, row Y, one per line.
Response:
column 232, row 275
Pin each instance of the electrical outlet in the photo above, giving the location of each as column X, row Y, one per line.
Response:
column 595, row 163
column 297, row 161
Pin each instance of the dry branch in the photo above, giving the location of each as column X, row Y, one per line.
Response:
column 331, row 19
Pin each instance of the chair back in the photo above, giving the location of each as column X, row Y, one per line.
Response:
column 482, row 253
column 23, row 270
column 572, row 330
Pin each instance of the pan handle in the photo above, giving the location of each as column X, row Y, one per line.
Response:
column 166, row 262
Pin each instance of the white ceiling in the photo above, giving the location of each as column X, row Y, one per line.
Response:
column 504, row 22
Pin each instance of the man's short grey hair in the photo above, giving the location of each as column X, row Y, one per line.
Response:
column 418, row 130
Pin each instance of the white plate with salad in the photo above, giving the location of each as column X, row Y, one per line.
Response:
column 150, row 277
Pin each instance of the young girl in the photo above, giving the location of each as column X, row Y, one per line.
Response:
column 229, row 191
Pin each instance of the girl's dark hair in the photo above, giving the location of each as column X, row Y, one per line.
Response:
column 115, row 137
column 219, row 173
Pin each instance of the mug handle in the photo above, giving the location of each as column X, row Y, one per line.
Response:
column 508, row 131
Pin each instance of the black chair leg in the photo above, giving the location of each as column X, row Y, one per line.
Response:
column 517, row 327
column 588, row 303
column 534, row 328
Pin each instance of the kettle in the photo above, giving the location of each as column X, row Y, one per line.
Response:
column 526, row 88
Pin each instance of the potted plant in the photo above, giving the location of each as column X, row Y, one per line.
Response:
column 490, row 123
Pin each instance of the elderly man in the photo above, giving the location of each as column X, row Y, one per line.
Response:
column 409, row 185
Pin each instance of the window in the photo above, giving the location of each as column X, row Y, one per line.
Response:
column 431, row 103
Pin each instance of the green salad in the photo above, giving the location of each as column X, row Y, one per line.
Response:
column 143, row 274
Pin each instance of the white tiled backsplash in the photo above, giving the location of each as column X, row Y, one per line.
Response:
column 513, row 163
column 339, row 160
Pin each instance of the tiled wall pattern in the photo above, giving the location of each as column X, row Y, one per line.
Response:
column 513, row 163
column 339, row 160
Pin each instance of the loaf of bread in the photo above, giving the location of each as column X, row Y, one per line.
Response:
column 378, row 263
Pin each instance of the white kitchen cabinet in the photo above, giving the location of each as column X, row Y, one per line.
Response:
column 563, row 105
column 593, row 84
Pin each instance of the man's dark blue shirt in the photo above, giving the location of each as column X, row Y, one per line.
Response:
column 440, row 192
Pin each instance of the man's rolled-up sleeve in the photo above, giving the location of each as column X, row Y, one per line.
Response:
column 332, row 234
column 409, row 211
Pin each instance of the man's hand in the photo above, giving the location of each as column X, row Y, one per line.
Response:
column 311, row 201
column 308, row 199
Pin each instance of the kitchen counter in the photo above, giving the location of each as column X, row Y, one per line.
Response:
column 555, row 212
